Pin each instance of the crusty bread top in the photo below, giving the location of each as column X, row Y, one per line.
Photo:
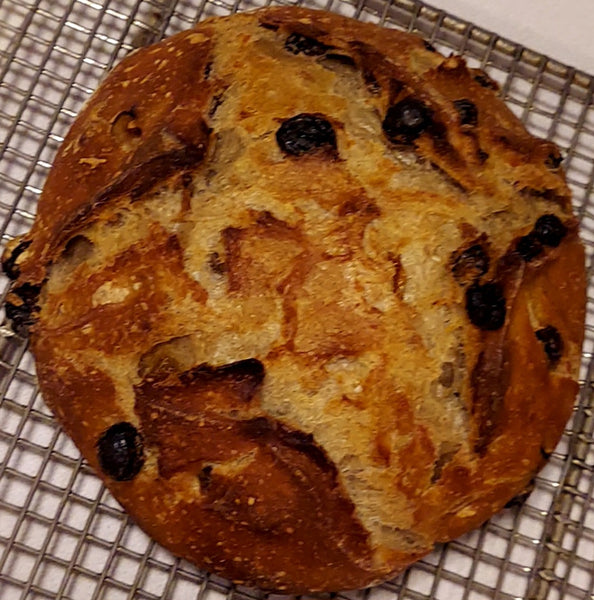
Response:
column 335, row 354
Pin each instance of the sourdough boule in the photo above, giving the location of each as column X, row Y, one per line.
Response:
column 306, row 295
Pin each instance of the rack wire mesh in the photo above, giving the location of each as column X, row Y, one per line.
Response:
column 61, row 534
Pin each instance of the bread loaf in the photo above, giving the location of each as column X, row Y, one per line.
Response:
column 306, row 295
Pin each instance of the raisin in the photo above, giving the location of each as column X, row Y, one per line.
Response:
column 21, row 316
column 306, row 133
column 28, row 293
column 549, row 230
column 471, row 263
column 301, row 44
column 467, row 111
column 554, row 160
column 10, row 266
column 529, row 247
column 485, row 306
column 120, row 451
column 406, row 120
column 552, row 343
column 485, row 81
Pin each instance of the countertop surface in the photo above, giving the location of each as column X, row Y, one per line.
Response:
column 561, row 29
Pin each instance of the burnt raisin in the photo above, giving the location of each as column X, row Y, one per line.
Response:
column 485, row 306
column 529, row 247
column 552, row 343
column 21, row 315
column 305, row 133
column 549, row 230
column 9, row 266
column 485, row 81
column 301, row 44
column 28, row 293
column 554, row 160
column 471, row 263
column 120, row 452
column 467, row 111
column 406, row 120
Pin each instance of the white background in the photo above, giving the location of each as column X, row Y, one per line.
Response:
column 561, row 29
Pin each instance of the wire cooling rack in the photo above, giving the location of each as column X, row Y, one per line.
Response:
column 61, row 534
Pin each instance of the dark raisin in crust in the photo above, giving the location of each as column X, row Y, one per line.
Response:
column 22, row 315
column 9, row 266
column 470, row 264
column 120, row 452
column 485, row 306
column 529, row 247
column 485, row 81
column 406, row 120
column 306, row 133
column 549, row 230
column 554, row 160
column 552, row 343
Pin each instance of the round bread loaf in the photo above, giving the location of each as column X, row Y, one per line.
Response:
column 306, row 295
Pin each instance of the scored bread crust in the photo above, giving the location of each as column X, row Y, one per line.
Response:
column 289, row 334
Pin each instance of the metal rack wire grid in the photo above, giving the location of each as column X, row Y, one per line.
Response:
column 61, row 534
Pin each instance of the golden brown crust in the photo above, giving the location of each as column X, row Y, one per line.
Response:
column 301, row 340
